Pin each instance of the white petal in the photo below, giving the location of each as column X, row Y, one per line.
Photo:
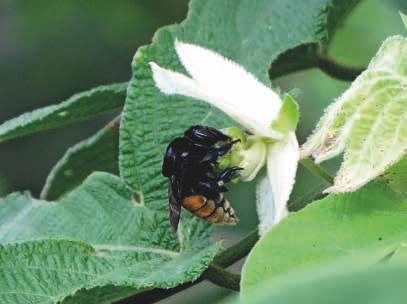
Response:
column 224, row 84
column 234, row 86
column 282, row 161
column 265, row 205
column 170, row 82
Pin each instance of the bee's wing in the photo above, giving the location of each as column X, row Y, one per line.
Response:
column 169, row 159
column 174, row 207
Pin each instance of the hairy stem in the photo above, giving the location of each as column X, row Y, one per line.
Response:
column 317, row 170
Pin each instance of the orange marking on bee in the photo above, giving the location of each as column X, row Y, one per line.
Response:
column 193, row 202
column 206, row 210
column 217, row 216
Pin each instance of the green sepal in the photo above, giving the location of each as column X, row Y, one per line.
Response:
column 288, row 116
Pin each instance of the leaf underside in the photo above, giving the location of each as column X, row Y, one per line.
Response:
column 368, row 121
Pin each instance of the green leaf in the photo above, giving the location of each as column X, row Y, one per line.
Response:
column 375, row 285
column 100, row 152
column 101, row 295
column 79, row 107
column 396, row 176
column 251, row 33
column 95, row 237
column 367, row 121
column 288, row 116
column 399, row 255
column 342, row 226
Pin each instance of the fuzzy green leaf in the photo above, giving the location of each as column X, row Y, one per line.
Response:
column 368, row 121
column 252, row 34
column 118, row 242
column 100, row 152
column 344, row 226
column 79, row 107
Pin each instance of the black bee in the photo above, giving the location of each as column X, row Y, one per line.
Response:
column 189, row 164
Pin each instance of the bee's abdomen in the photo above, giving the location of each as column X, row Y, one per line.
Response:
column 216, row 211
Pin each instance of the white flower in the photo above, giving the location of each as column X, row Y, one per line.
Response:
column 229, row 87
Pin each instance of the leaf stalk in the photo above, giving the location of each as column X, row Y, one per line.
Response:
column 317, row 170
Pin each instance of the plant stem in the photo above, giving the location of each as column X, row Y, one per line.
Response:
column 334, row 69
column 317, row 170
column 313, row 194
column 285, row 65
column 237, row 251
column 222, row 277
column 214, row 272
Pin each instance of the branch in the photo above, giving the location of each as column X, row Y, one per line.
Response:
column 304, row 58
column 222, row 277
column 237, row 251
column 213, row 273
column 334, row 69
column 317, row 170
column 311, row 195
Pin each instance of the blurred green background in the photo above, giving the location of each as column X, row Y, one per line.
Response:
column 51, row 49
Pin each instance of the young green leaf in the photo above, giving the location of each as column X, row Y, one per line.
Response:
column 100, row 152
column 78, row 107
column 95, row 237
column 368, row 121
column 342, row 226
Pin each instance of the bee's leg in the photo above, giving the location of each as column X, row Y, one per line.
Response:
column 213, row 186
column 204, row 135
column 213, row 154
column 227, row 175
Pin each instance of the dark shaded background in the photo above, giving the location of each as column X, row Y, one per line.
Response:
column 51, row 49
